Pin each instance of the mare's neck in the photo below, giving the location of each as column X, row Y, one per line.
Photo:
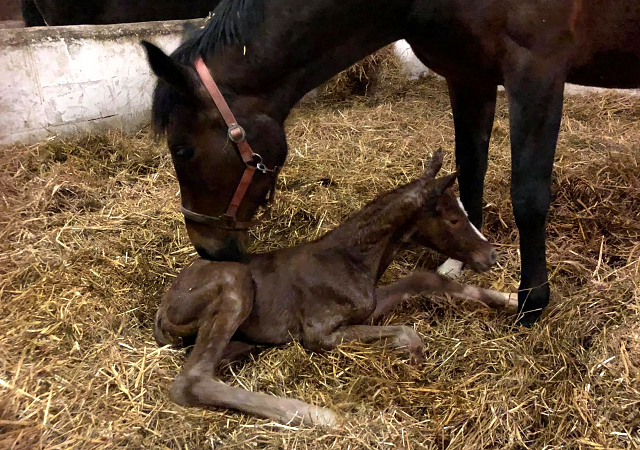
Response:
column 300, row 45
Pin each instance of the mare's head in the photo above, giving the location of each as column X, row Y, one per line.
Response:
column 208, row 163
column 444, row 225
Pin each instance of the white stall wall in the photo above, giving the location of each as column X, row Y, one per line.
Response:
column 76, row 79
column 61, row 80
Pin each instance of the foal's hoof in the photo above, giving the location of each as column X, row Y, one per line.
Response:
column 417, row 358
column 409, row 345
column 320, row 417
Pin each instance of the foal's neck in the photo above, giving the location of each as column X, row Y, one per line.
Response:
column 300, row 45
column 378, row 231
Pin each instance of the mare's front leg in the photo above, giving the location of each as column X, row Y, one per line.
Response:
column 230, row 303
column 535, row 88
column 473, row 105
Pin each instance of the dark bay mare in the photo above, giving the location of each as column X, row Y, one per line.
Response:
column 321, row 293
column 38, row 13
column 266, row 54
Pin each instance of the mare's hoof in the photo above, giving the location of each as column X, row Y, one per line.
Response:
column 528, row 318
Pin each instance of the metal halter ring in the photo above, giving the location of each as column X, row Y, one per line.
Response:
column 231, row 132
column 260, row 165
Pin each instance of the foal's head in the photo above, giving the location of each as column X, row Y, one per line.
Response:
column 445, row 227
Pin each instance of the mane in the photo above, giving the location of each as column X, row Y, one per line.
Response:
column 232, row 22
column 370, row 222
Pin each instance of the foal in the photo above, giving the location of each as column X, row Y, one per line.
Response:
column 320, row 293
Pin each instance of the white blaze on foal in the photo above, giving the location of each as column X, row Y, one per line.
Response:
column 472, row 225
column 452, row 268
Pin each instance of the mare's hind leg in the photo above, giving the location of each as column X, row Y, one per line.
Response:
column 196, row 385
column 473, row 102
column 31, row 14
column 422, row 282
column 474, row 106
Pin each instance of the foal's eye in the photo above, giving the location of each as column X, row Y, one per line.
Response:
column 453, row 222
column 184, row 152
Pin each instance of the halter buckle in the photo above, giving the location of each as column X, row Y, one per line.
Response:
column 236, row 133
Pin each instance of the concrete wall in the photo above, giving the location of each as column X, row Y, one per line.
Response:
column 60, row 80
column 75, row 79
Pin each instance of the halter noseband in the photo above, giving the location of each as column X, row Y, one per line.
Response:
column 252, row 161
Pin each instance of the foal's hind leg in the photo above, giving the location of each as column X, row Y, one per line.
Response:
column 196, row 385
column 234, row 350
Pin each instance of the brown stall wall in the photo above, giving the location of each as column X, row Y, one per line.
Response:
column 10, row 10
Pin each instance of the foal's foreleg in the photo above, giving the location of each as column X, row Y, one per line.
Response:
column 400, row 337
column 423, row 282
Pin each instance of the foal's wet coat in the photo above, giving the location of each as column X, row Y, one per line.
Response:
column 320, row 293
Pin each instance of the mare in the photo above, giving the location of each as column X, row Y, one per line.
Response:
column 320, row 293
column 265, row 55
column 38, row 13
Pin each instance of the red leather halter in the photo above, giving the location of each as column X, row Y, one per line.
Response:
column 252, row 161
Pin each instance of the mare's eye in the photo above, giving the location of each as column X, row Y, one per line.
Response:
column 184, row 152
column 453, row 222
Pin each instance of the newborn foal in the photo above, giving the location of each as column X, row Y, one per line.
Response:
column 321, row 293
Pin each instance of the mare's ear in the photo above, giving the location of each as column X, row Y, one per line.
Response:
column 444, row 183
column 434, row 164
column 166, row 68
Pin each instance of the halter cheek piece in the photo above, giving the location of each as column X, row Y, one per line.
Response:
column 252, row 161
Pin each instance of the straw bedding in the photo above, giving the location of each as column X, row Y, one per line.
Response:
column 91, row 238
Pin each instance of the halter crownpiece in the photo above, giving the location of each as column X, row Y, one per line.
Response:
column 252, row 161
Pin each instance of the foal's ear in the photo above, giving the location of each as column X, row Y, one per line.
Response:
column 165, row 67
column 444, row 183
column 434, row 164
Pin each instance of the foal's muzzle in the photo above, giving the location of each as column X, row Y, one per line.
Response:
column 483, row 261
